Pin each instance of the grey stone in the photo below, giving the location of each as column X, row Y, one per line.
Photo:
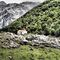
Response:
column 11, row 40
column 24, row 42
column 47, row 41
column 13, row 11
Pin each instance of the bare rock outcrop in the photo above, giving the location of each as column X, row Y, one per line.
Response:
column 11, row 40
column 44, row 41
column 13, row 11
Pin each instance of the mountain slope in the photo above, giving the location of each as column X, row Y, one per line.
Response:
column 11, row 12
column 44, row 19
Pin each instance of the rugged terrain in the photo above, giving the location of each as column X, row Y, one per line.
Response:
column 11, row 40
column 28, row 47
column 11, row 12
column 43, row 19
column 42, row 24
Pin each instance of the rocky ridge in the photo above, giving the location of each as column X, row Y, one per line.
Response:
column 11, row 12
column 11, row 40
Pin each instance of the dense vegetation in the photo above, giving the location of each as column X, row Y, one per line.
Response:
column 30, row 53
column 44, row 19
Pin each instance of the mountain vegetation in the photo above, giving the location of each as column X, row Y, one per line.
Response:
column 30, row 53
column 43, row 19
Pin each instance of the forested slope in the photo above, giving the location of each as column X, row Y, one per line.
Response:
column 43, row 19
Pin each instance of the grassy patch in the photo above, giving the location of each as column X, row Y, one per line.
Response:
column 29, row 53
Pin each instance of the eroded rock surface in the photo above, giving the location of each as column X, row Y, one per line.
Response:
column 13, row 11
column 11, row 40
column 44, row 41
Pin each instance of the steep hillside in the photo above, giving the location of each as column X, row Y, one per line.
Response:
column 44, row 19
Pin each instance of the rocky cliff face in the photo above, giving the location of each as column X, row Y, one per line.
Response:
column 11, row 12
